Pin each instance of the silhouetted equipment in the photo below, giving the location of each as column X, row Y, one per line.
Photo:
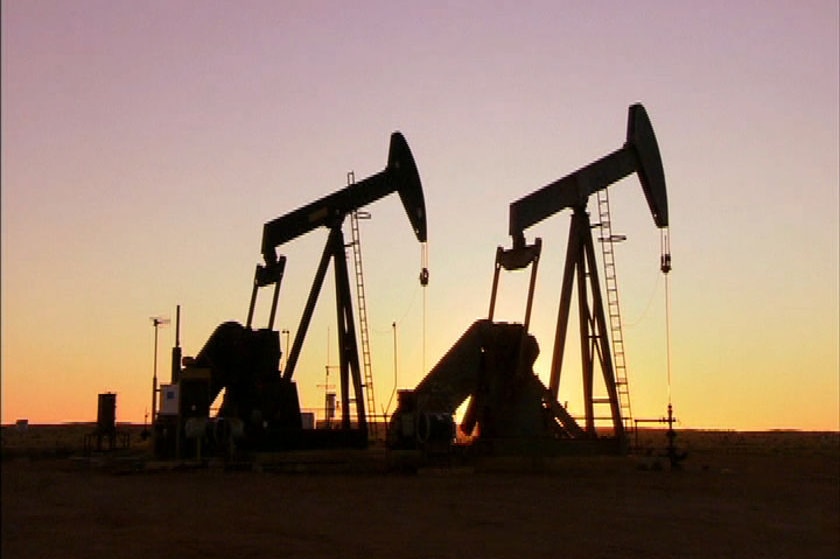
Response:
column 176, row 350
column 672, row 453
column 157, row 322
column 510, row 410
column 421, row 423
column 491, row 364
column 639, row 154
column 261, row 408
column 106, row 413
column 675, row 456
column 106, row 426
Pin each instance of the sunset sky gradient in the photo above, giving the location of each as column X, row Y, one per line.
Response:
column 144, row 144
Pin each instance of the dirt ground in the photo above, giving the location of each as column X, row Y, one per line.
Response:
column 739, row 495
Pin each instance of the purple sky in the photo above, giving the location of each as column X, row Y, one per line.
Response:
column 144, row 144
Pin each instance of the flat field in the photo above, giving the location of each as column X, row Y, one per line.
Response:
column 769, row 494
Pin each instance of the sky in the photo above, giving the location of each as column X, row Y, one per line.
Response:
column 144, row 144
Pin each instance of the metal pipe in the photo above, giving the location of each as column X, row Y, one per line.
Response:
column 529, row 304
column 175, row 375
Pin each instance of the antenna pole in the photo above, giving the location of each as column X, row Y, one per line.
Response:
column 155, row 323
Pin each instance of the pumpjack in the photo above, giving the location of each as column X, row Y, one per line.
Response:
column 260, row 409
column 510, row 410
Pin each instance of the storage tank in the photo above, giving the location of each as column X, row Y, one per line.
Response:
column 106, row 416
column 307, row 419
column 330, row 405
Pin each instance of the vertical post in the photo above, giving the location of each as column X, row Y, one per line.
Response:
column 176, row 351
column 532, row 284
column 572, row 252
column 341, row 321
column 154, row 376
column 495, row 287
column 178, row 428
column 586, row 339
column 327, row 417
column 394, row 328
column 350, row 369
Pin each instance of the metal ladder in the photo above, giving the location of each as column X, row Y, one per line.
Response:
column 608, row 239
column 370, row 401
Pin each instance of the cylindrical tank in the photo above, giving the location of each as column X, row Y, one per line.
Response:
column 330, row 405
column 106, row 416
